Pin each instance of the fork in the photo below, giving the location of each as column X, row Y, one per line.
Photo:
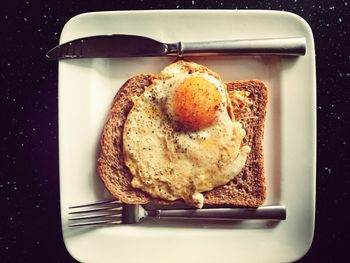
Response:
column 111, row 212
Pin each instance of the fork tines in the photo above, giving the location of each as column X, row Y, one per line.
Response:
column 101, row 212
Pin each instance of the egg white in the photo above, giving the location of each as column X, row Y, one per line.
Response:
column 173, row 163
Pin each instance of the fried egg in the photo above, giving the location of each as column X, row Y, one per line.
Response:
column 180, row 138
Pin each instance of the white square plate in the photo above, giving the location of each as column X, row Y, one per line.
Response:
column 86, row 91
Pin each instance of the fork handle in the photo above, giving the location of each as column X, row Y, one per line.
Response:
column 277, row 212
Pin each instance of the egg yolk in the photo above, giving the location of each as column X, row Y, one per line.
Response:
column 196, row 103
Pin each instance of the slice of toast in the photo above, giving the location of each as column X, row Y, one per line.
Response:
column 248, row 188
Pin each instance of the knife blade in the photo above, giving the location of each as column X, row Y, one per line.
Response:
column 117, row 45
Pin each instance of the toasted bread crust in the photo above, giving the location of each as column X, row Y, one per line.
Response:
column 110, row 164
column 248, row 188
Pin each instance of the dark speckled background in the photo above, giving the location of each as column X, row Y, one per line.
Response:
column 29, row 177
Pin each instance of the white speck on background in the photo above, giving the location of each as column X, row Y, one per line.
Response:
column 329, row 170
column 340, row 20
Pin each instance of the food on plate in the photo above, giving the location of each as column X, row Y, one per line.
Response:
column 185, row 135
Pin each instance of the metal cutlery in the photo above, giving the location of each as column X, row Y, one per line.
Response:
column 118, row 45
column 114, row 212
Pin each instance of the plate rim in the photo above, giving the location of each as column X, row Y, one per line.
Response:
column 218, row 11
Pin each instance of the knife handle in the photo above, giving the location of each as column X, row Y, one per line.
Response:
column 274, row 46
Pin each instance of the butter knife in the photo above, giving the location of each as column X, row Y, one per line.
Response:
column 104, row 46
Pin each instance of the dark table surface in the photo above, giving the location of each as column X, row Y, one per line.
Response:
column 30, row 228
